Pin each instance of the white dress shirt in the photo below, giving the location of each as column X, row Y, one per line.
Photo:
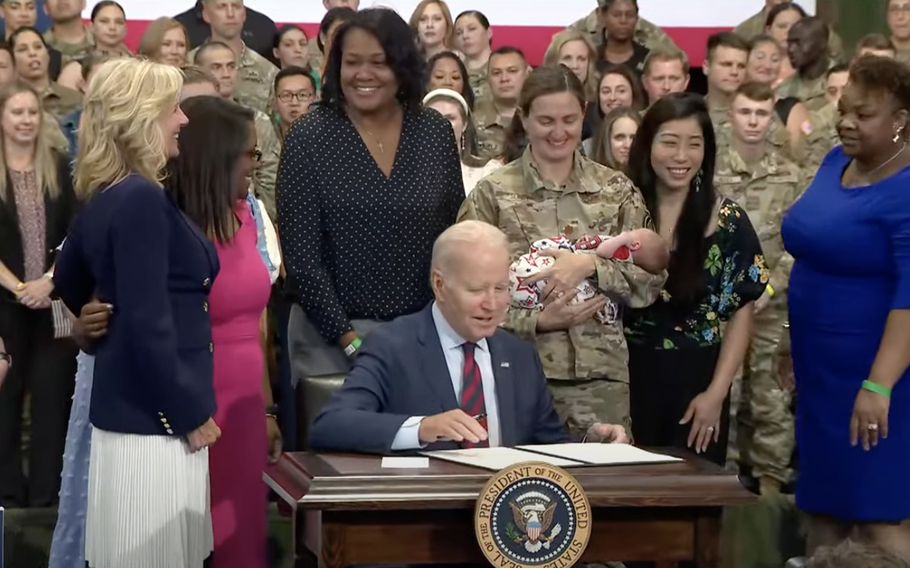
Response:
column 407, row 437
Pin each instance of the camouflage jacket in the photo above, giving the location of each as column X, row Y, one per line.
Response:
column 810, row 91
column 60, row 101
column 492, row 130
column 266, row 174
column 766, row 191
column 821, row 138
column 646, row 33
column 596, row 201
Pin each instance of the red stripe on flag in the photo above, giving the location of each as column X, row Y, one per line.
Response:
column 533, row 40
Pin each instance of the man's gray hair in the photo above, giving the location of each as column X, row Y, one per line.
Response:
column 475, row 233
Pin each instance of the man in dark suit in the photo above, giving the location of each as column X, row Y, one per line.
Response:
column 447, row 376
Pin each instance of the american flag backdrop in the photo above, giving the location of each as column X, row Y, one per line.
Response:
column 526, row 24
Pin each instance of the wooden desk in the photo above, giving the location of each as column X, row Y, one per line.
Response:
column 349, row 511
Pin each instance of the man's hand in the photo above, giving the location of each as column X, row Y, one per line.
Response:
column 607, row 434
column 454, row 425
column 204, row 436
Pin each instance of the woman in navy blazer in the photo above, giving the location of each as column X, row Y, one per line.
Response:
column 152, row 398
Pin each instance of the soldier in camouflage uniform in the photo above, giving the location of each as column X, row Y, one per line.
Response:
column 808, row 40
column 646, row 33
column 492, row 117
column 765, row 184
column 725, row 69
column 587, row 362
column 755, row 26
column 472, row 37
column 255, row 73
column 68, row 34
column 665, row 71
column 219, row 60
column 821, row 138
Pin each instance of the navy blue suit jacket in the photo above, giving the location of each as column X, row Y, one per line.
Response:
column 400, row 371
column 153, row 369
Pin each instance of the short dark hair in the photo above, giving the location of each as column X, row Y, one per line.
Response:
column 468, row 91
column 201, row 180
column 207, row 47
column 293, row 71
column 875, row 41
column 688, row 259
column 105, row 4
column 484, row 21
column 839, row 68
column 509, row 50
column 605, row 5
column 850, row 554
column 776, row 11
column 883, row 75
column 755, row 91
column 396, row 39
column 343, row 14
column 195, row 75
column 726, row 39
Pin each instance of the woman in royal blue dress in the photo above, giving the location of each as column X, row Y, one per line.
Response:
column 850, row 319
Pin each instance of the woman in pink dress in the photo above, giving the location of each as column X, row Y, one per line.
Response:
column 210, row 184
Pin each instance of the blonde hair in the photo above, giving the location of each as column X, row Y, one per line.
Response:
column 119, row 132
column 551, row 57
column 449, row 40
column 150, row 43
column 44, row 161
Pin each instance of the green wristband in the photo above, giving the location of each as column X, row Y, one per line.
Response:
column 877, row 389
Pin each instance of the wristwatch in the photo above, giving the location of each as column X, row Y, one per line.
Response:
column 272, row 410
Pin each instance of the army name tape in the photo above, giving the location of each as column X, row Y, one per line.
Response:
column 532, row 515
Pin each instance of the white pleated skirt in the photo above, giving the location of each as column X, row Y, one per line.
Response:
column 148, row 503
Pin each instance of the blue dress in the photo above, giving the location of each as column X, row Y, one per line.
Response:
column 68, row 546
column 852, row 252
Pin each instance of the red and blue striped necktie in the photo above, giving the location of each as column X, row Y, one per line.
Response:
column 472, row 392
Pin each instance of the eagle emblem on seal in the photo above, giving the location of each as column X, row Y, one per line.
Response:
column 533, row 516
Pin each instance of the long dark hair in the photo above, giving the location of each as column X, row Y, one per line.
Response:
column 542, row 81
column 201, row 179
column 333, row 15
column 686, row 277
column 402, row 57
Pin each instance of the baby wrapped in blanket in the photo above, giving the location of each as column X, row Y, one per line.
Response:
column 643, row 247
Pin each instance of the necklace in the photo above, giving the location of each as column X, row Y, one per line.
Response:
column 868, row 175
column 378, row 141
column 373, row 136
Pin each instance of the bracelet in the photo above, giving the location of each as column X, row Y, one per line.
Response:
column 877, row 389
column 352, row 347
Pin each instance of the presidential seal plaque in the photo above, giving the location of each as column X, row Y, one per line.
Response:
column 532, row 514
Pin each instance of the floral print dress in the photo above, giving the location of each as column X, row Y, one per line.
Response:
column 673, row 348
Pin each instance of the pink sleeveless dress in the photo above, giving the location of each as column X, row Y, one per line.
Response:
column 239, row 496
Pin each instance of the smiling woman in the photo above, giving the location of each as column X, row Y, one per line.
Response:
column 553, row 190
column 368, row 179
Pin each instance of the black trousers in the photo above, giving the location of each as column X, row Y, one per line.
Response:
column 662, row 383
column 45, row 368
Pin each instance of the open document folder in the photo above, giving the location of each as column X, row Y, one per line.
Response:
column 560, row 455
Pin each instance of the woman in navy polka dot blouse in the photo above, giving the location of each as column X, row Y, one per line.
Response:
column 368, row 179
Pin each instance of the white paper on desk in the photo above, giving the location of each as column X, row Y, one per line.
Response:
column 497, row 458
column 405, row 462
column 602, row 454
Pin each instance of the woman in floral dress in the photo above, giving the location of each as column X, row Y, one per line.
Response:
column 681, row 365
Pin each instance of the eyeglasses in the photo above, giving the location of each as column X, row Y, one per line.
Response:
column 255, row 154
column 302, row 97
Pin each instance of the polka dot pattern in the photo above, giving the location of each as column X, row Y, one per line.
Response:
column 357, row 244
